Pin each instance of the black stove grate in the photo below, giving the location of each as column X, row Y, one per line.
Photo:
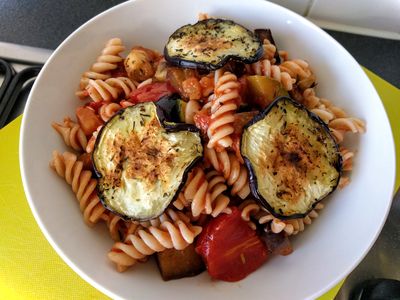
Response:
column 14, row 90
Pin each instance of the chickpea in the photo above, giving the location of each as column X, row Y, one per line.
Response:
column 139, row 65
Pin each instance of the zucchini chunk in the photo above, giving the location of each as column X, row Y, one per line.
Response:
column 142, row 161
column 293, row 160
column 211, row 43
column 263, row 90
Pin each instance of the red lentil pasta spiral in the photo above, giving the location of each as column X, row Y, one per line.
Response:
column 253, row 211
column 204, row 193
column 110, row 89
column 106, row 62
column 264, row 67
column 224, row 105
column 83, row 185
column 90, row 145
column 269, row 51
column 107, row 110
column 173, row 232
column 233, row 171
column 71, row 133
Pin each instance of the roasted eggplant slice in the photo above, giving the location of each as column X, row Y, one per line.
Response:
column 142, row 161
column 293, row 160
column 211, row 43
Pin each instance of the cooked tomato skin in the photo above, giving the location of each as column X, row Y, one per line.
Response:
column 95, row 105
column 151, row 92
column 202, row 120
column 230, row 249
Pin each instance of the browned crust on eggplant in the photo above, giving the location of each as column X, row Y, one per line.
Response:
column 252, row 177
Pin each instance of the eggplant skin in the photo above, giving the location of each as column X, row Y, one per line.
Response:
column 141, row 163
column 263, row 34
column 173, row 110
column 210, row 44
column 293, row 160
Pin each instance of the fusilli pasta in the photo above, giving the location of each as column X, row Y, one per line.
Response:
column 72, row 134
column 204, row 193
column 252, row 210
column 107, row 110
column 171, row 232
column 90, row 145
column 235, row 173
column 106, row 62
column 110, row 89
column 264, row 67
column 223, row 107
column 83, row 185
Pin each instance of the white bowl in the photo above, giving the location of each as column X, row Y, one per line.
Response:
column 324, row 254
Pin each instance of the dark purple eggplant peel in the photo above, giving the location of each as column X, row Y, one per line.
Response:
column 293, row 160
column 263, row 34
column 210, row 44
column 142, row 160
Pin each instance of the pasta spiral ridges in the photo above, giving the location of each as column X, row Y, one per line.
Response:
column 300, row 71
column 264, row 67
column 72, row 134
column 250, row 209
column 107, row 61
column 269, row 50
column 338, row 121
column 83, row 185
column 347, row 159
column 204, row 193
column 224, row 105
column 172, row 232
column 296, row 68
column 92, row 140
column 108, row 110
column 217, row 202
column 235, row 173
column 115, row 225
column 109, row 89
column 347, row 165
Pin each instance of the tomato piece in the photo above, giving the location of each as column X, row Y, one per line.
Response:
column 230, row 248
column 176, row 76
column 151, row 92
column 191, row 88
column 207, row 85
column 88, row 119
column 202, row 120
column 125, row 103
column 95, row 105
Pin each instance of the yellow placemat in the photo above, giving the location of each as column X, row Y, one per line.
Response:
column 31, row 269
